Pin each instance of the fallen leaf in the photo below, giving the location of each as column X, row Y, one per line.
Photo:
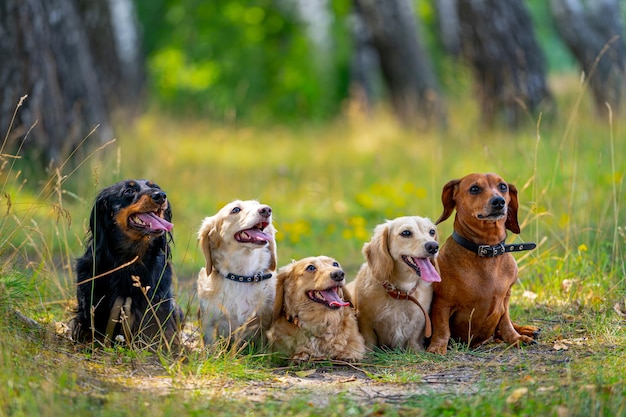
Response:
column 559, row 345
column 530, row 295
column 306, row 373
column 61, row 328
column 562, row 411
column 619, row 309
column 517, row 395
column 580, row 341
column 566, row 284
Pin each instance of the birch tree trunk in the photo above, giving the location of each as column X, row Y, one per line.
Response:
column 593, row 31
column 497, row 39
column 405, row 64
column 49, row 54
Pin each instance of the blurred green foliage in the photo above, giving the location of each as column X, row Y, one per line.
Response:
column 232, row 59
column 254, row 60
column 558, row 57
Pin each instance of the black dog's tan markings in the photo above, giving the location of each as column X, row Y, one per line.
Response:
column 137, row 231
column 125, row 274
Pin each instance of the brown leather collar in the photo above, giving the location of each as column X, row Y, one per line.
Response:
column 404, row 295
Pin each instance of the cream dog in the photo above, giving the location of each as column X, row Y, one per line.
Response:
column 392, row 290
column 236, row 288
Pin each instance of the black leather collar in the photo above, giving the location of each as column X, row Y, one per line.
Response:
column 259, row 276
column 489, row 251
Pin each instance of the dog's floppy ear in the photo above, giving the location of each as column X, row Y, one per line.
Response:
column 283, row 273
column 272, row 247
column 376, row 252
column 345, row 294
column 168, row 212
column 204, row 239
column 511, row 213
column 447, row 198
column 100, row 222
column 168, row 216
column 436, row 265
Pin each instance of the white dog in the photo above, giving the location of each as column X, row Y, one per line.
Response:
column 237, row 287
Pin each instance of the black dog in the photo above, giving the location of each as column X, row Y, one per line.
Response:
column 124, row 278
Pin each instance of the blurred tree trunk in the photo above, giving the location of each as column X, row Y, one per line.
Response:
column 48, row 54
column 497, row 38
column 405, row 64
column 593, row 31
column 114, row 43
column 448, row 25
column 364, row 66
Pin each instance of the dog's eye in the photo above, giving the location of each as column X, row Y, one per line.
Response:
column 235, row 210
column 432, row 232
column 129, row 192
column 474, row 189
column 503, row 187
column 406, row 233
column 311, row 268
column 336, row 264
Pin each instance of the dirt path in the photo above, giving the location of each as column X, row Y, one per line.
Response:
column 460, row 373
column 391, row 378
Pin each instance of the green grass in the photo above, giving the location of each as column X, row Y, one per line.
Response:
column 328, row 187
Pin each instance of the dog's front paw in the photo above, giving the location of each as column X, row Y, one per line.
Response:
column 299, row 357
column 351, row 356
column 527, row 340
column 522, row 341
column 437, row 349
column 529, row 331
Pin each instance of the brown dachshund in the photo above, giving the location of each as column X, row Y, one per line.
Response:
column 471, row 303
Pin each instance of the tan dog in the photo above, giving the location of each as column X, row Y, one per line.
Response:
column 471, row 303
column 313, row 318
column 236, row 288
column 392, row 291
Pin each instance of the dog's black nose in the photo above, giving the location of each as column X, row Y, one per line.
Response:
column 431, row 247
column 337, row 275
column 159, row 197
column 497, row 203
column 265, row 211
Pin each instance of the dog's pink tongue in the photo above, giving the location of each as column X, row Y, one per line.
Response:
column 333, row 299
column 154, row 222
column 427, row 271
column 259, row 235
